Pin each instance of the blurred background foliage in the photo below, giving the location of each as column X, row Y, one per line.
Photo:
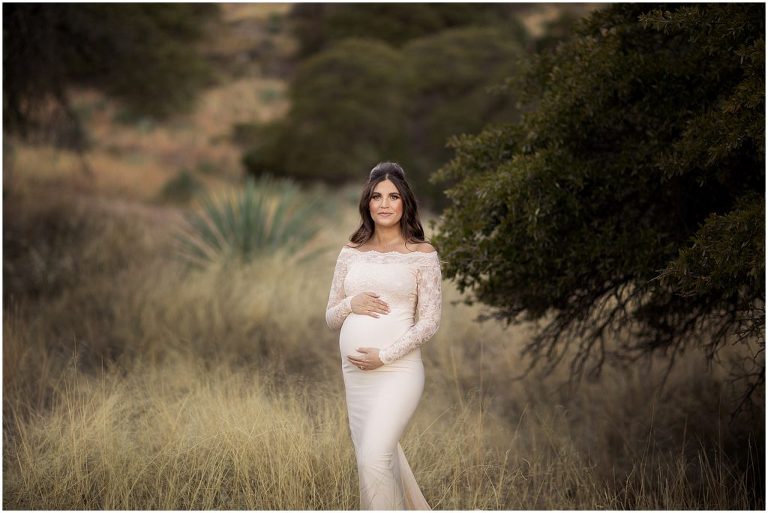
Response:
column 348, row 108
column 390, row 79
column 145, row 55
column 319, row 25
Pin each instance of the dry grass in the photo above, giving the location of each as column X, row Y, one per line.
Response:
column 139, row 385
column 240, row 12
column 189, row 435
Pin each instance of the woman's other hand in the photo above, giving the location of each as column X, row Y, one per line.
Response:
column 368, row 361
column 368, row 303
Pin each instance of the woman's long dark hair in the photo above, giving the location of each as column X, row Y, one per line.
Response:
column 410, row 225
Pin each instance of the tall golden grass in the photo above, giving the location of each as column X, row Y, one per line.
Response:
column 133, row 383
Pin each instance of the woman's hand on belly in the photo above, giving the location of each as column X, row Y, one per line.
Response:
column 369, row 359
column 368, row 303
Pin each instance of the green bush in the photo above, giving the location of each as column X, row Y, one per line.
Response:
column 452, row 97
column 265, row 216
column 361, row 102
column 268, row 148
column 181, row 188
column 348, row 111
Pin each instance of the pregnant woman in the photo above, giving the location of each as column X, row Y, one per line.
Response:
column 382, row 279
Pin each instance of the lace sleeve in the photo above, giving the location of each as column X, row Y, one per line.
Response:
column 339, row 306
column 429, row 303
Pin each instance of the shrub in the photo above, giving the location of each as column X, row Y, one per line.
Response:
column 453, row 97
column 267, row 215
column 181, row 188
column 348, row 110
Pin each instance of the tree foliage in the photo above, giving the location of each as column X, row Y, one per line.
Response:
column 347, row 110
column 627, row 207
column 362, row 99
column 452, row 72
column 317, row 26
column 144, row 55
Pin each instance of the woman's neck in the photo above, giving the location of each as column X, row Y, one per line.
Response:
column 387, row 237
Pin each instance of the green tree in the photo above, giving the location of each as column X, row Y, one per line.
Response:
column 347, row 111
column 145, row 55
column 556, row 30
column 361, row 101
column 627, row 208
column 452, row 72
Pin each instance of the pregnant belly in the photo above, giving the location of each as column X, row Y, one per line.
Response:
column 366, row 331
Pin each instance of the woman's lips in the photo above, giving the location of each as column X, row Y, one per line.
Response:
column 386, row 214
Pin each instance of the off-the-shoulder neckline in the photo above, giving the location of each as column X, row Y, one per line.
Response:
column 389, row 252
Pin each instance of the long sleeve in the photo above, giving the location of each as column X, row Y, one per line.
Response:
column 339, row 306
column 429, row 303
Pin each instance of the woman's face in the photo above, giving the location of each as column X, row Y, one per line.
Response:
column 386, row 205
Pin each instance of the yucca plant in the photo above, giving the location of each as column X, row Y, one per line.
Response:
column 265, row 216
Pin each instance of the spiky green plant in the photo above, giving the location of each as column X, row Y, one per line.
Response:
column 265, row 216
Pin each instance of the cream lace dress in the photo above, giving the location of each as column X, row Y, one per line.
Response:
column 380, row 402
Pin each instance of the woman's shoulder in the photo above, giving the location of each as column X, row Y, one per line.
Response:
column 349, row 250
column 425, row 247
